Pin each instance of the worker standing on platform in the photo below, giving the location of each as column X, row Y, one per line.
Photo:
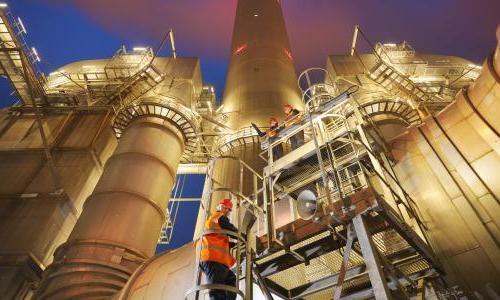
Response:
column 215, row 259
column 293, row 116
column 272, row 134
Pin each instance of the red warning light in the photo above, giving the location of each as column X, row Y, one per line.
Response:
column 288, row 53
column 240, row 49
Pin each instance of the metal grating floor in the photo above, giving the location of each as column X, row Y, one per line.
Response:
column 317, row 269
column 389, row 243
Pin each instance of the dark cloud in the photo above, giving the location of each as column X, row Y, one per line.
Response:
column 316, row 27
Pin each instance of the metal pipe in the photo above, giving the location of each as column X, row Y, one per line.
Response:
column 354, row 39
column 172, row 43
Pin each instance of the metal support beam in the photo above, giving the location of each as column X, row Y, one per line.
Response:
column 351, row 274
column 420, row 289
column 345, row 262
column 262, row 284
column 248, row 273
column 311, row 250
column 276, row 289
column 372, row 261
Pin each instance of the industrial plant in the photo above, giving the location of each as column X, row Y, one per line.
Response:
column 374, row 176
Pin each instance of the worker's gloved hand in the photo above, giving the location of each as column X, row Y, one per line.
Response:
column 259, row 132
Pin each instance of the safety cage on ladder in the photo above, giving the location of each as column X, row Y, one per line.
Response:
column 247, row 212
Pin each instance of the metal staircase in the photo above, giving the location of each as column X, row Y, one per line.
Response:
column 399, row 85
column 127, row 76
column 17, row 60
column 138, row 85
column 381, row 69
column 376, row 259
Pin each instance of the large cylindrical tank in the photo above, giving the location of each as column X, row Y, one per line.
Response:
column 450, row 167
column 121, row 220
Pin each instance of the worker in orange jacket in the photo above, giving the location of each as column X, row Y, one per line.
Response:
column 272, row 134
column 215, row 259
column 293, row 116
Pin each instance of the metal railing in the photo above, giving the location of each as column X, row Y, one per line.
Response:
column 310, row 126
column 351, row 163
column 250, row 203
column 239, row 138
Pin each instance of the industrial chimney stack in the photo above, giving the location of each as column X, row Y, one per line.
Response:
column 261, row 76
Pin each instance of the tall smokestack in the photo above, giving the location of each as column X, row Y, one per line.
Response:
column 261, row 76
column 260, row 80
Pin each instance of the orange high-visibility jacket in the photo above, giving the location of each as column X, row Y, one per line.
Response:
column 215, row 247
column 293, row 117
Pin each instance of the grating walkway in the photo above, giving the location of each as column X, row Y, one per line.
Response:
column 316, row 278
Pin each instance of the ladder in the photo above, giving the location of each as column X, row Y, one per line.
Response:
column 246, row 210
column 167, row 229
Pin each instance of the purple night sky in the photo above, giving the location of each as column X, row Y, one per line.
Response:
column 69, row 30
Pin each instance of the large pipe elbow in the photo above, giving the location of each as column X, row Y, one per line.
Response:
column 175, row 269
column 483, row 95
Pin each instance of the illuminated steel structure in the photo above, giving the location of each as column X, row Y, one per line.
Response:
column 89, row 153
